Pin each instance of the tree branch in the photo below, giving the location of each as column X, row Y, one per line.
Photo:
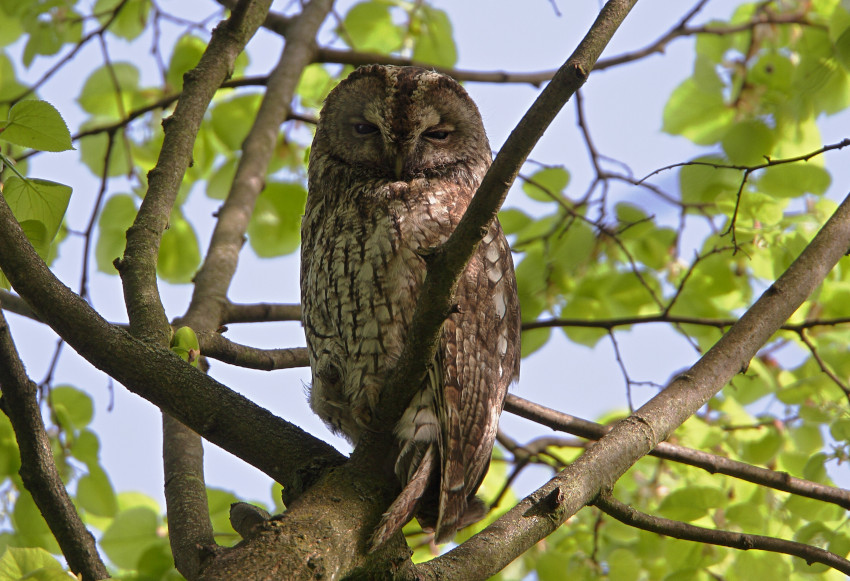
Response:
column 218, row 347
column 153, row 372
column 679, row 530
column 38, row 468
column 259, row 313
column 547, row 508
column 138, row 267
column 711, row 463
column 446, row 264
column 15, row 304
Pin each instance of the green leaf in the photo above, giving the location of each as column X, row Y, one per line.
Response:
column 132, row 533
column 748, row 143
column 220, row 181
column 434, row 37
column 232, row 119
column 86, row 448
column 369, row 27
column 39, row 202
column 699, row 114
column 30, row 526
column 185, row 344
column 95, row 493
column 514, row 220
column 77, row 406
column 792, row 180
column 752, row 565
column 275, row 227
column 50, row 32
column 762, row 450
column 691, row 503
column 10, row 457
column 546, row 184
column 179, row 254
column 840, row 430
column 10, row 29
column 219, row 502
column 17, row 562
column 101, row 97
column 534, row 339
column 624, row 565
column 157, row 562
column 186, row 54
column 93, row 153
column 704, row 184
column 36, row 124
column 314, row 85
column 117, row 216
column 130, row 22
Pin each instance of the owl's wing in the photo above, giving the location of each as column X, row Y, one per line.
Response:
column 480, row 350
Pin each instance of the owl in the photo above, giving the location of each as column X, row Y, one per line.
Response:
column 397, row 156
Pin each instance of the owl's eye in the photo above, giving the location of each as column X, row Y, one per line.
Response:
column 364, row 128
column 436, row 135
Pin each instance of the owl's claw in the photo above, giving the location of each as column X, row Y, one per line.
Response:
column 362, row 416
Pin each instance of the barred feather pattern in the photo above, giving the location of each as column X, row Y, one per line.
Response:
column 397, row 156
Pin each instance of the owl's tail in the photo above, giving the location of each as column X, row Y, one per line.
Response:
column 403, row 507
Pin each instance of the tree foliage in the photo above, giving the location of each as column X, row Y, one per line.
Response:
column 597, row 260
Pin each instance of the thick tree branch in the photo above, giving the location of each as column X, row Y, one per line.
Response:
column 679, row 530
column 547, row 508
column 38, row 468
column 155, row 373
column 138, row 267
column 711, row 463
column 209, row 299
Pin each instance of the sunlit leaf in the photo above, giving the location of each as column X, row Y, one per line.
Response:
column 275, row 227
column 132, row 533
column 95, row 493
column 130, row 21
column 434, row 37
column 19, row 562
column 36, row 124
column 546, row 184
column 39, row 205
column 179, row 253
column 117, row 216
column 78, row 405
column 369, row 27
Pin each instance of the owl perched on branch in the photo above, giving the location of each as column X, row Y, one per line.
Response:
column 397, row 156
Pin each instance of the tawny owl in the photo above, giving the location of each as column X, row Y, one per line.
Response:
column 397, row 156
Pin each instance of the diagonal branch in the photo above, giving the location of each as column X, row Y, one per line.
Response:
column 447, row 262
column 185, row 483
column 217, row 413
column 138, row 267
column 38, row 468
column 577, row 485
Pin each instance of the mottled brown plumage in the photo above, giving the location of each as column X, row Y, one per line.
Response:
column 398, row 154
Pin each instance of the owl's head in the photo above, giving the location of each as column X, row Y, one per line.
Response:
column 400, row 123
